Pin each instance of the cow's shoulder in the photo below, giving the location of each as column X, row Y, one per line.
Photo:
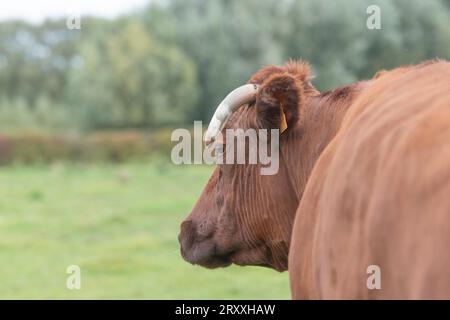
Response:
column 363, row 189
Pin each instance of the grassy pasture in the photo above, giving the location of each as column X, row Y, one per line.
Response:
column 119, row 223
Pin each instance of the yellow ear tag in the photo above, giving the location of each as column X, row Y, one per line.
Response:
column 283, row 123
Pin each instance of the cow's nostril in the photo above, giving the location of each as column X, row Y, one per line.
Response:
column 187, row 234
column 187, row 227
column 186, row 224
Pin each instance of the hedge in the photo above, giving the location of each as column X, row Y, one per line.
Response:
column 104, row 146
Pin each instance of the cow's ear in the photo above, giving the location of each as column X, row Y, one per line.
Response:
column 279, row 102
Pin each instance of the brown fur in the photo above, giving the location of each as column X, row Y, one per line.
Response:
column 380, row 195
column 279, row 90
column 365, row 171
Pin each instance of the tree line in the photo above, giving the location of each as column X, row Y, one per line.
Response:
column 172, row 62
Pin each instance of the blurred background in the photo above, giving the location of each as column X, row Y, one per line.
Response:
column 86, row 116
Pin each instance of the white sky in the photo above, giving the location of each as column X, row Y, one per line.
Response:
column 38, row 10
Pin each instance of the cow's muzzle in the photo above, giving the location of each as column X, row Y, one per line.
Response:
column 198, row 249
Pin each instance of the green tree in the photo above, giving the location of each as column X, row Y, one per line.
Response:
column 128, row 78
column 35, row 61
column 228, row 40
column 332, row 35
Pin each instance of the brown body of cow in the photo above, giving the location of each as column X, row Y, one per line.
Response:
column 365, row 173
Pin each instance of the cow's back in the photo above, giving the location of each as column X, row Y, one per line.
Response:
column 380, row 195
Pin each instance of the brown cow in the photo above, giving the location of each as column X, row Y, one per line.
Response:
column 365, row 171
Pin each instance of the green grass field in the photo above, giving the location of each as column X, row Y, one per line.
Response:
column 119, row 223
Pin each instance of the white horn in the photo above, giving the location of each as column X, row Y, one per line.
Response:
column 232, row 101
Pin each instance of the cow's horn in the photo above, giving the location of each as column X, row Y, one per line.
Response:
column 232, row 101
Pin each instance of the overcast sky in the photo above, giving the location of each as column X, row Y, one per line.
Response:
column 38, row 10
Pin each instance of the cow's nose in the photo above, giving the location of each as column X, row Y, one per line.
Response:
column 187, row 235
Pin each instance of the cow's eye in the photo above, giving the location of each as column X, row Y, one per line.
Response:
column 218, row 149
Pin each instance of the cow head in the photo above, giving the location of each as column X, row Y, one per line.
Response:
column 242, row 216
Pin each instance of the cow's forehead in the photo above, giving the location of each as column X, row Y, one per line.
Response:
column 243, row 118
